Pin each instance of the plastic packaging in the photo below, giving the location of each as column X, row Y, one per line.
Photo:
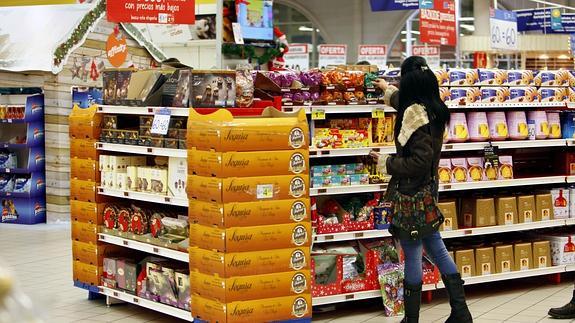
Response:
column 517, row 123
column 541, row 123
column 478, row 126
column 497, row 125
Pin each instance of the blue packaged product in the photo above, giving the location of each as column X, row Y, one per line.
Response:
column 6, row 183
column 568, row 125
column 21, row 185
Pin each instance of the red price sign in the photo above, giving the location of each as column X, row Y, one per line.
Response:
column 152, row 11
column 437, row 26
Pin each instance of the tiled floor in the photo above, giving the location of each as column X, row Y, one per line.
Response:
column 40, row 258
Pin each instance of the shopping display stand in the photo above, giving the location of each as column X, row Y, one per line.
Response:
column 22, row 164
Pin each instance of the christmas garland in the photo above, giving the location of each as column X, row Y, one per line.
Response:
column 79, row 32
column 249, row 52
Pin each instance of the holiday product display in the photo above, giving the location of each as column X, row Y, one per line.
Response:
column 346, row 214
column 474, row 169
column 120, row 130
column 353, row 132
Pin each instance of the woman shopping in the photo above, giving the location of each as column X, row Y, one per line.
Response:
column 420, row 123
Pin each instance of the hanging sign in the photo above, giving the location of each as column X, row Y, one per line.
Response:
column 556, row 23
column 425, row 4
column 437, row 26
column 374, row 54
column 152, row 12
column 116, row 49
column 298, row 57
column 389, row 5
column 332, row 55
column 503, row 29
column 430, row 53
column 542, row 20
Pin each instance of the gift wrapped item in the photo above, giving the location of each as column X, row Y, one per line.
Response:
column 391, row 283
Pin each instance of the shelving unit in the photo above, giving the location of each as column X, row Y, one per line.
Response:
column 145, row 197
column 144, row 247
column 142, row 111
column 142, row 150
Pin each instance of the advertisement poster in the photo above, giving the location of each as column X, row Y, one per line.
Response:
column 152, row 12
column 298, row 57
column 503, row 25
column 430, row 53
column 374, row 54
column 541, row 20
column 332, row 55
column 437, row 26
column 389, row 5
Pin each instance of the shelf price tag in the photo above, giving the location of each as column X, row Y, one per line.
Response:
column 318, row 114
column 503, row 29
column 378, row 113
column 161, row 121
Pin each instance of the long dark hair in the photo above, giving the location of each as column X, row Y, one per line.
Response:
column 419, row 85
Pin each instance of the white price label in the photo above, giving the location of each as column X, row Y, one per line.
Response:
column 504, row 30
column 161, row 122
column 238, row 36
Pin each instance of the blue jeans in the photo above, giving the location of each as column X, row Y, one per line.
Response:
column 435, row 249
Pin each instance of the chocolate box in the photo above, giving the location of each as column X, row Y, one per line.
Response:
column 485, row 261
column 504, row 260
column 541, row 254
column 523, row 256
column 526, row 208
column 465, row 260
column 479, row 212
column 506, row 208
column 449, row 211
column 544, row 207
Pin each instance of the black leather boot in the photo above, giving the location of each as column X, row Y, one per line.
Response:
column 412, row 302
column 459, row 310
column 565, row 312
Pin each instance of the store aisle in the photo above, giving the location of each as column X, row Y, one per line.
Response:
column 40, row 257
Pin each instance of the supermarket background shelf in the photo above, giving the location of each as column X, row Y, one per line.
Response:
column 330, row 109
column 159, row 307
column 146, row 197
column 145, row 247
column 15, row 171
column 354, row 235
column 333, row 299
column 317, row 191
column 178, row 112
column 142, row 150
column 13, row 121
column 504, row 105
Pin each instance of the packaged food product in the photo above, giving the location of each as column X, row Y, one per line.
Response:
column 520, row 77
column 495, row 94
column 568, row 125
column 444, row 171
column 21, row 185
column 505, row 167
column 492, row 76
column 554, row 94
column 478, row 126
column 445, row 94
column 497, row 125
column 462, row 95
column 475, row 169
column 6, row 183
column 442, row 77
column 517, row 122
column 8, row 159
column 554, row 125
column 458, row 130
column 523, row 94
column 541, row 123
column 446, row 135
column 552, row 78
column 463, row 77
column 244, row 88
column 459, row 169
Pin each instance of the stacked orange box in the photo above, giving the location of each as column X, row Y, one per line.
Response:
column 250, row 230
column 87, row 252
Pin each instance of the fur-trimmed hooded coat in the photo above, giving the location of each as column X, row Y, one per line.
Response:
column 418, row 146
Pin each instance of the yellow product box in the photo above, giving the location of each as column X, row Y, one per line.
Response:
column 84, row 232
column 85, row 123
column 526, row 208
column 87, row 212
column 92, row 253
column 244, row 164
column 249, row 213
column 86, row 273
column 449, row 211
column 272, row 130
column 84, row 169
column 249, row 263
column 261, row 310
column 83, row 190
column 465, row 260
column 506, row 209
column 244, row 288
column 504, row 260
column 541, row 254
column 544, row 207
column 83, row 148
column 484, row 261
column 265, row 237
column 247, row 189
column 523, row 256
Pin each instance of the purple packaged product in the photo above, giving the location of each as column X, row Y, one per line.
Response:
column 298, row 97
column 131, row 276
column 121, row 273
column 306, row 96
column 382, row 215
column 458, row 94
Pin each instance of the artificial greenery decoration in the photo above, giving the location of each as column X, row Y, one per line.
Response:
column 79, row 32
column 249, row 52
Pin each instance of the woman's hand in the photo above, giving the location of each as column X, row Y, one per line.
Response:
column 375, row 155
column 381, row 83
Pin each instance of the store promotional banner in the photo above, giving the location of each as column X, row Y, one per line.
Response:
column 332, row 54
column 425, row 4
column 390, row 5
column 503, row 26
column 540, row 20
column 430, row 53
column 298, row 57
column 374, row 54
column 556, row 20
column 437, row 26
column 152, row 12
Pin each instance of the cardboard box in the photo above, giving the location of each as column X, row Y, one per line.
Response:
column 560, row 198
column 213, row 88
column 526, row 208
column 504, row 260
column 104, row 163
column 245, row 164
column 132, row 178
column 541, row 254
column 177, row 176
column 86, row 273
column 273, row 130
column 262, row 310
column 544, row 207
column 465, row 260
column 84, row 169
column 506, row 210
column 459, row 169
column 232, row 264
column 158, row 180
column 85, row 123
column 485, row 261
column 449, row 211
column 243, row 288
column 256, row 238
column 478, row 212
column 249, row 213
column 523, row 256
column 119, row 163
column 83, row 148
column 83, row 190
column 84, row 232
column 86, row 212
column 93, row 253
column 247, row 189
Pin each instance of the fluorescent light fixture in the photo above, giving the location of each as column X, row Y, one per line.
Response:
column 305, row 28
column 543, row 56
column 467, row 19
column 403, row 40
column 563, row 56
column 467, row 27
column 415, row 32
column 554, row 5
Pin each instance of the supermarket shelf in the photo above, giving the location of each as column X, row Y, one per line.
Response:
column 145, row 247
column 504, row 228
column 502, row 183
column 317, row 191
column 146, row 197
column 330, row 109
column 466, row 146
column 12, row 146
column 511, row 275
column 142, row 150
column 119, row 109
column 355, row 235
column 571, row 179
column 333, row 299
column 503, row 105
column 13, row 121
column 158, row 307
column 15, row 171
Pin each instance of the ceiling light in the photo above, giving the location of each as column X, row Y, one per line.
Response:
column 305, row 28
column 563, row 56
column 467, row 27
column 543, row 56
column 415, row 32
